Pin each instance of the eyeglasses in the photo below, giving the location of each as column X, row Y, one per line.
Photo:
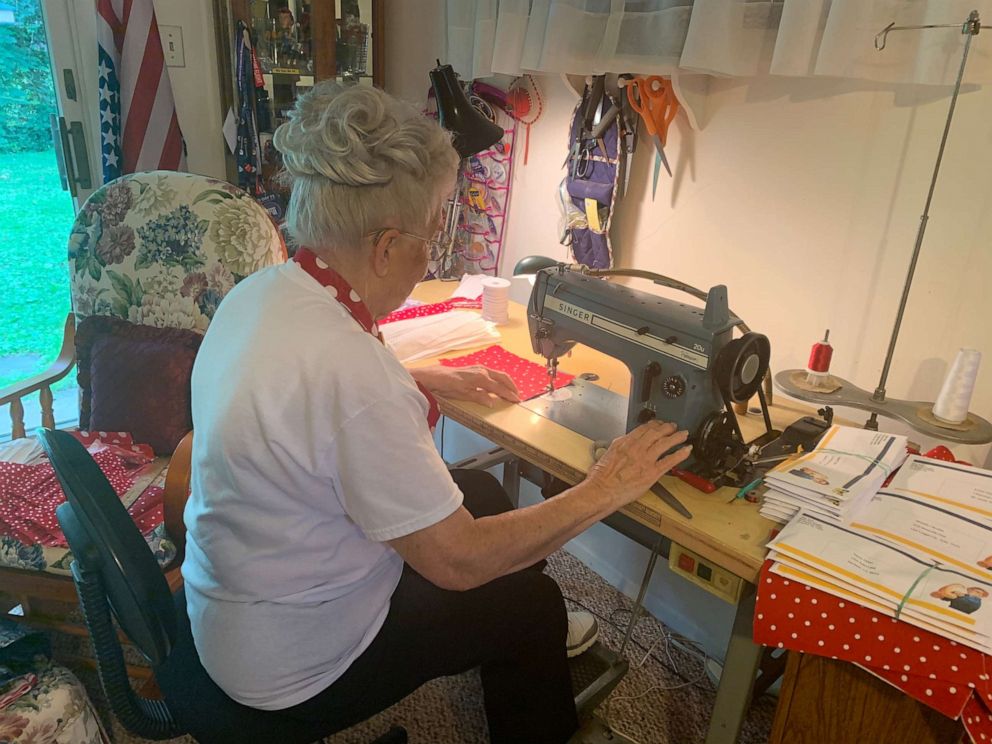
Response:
column 438, row 247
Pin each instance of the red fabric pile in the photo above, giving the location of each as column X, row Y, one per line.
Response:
column 421, row 311
column 29, row 494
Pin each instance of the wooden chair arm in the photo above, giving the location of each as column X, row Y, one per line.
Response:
column 176, row 493
column 58, row 369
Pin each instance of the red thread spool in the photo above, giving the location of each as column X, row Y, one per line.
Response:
column 819, row 356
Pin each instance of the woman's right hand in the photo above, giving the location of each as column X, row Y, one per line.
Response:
column 631, row 466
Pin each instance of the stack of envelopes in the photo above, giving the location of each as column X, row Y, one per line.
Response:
column 845, row 469
column 920, row 549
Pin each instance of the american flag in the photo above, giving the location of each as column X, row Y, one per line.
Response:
column 138, row 125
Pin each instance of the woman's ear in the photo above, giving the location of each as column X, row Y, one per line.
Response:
column 382, row 244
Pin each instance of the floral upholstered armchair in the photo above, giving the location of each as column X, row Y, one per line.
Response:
column 162, row 249
column 151, row 255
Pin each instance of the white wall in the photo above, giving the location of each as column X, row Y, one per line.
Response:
column 414, row 40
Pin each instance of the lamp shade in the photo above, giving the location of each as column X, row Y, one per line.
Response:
column 473, row 131
column 530, row 265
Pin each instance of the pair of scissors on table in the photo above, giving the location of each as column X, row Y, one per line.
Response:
column 654, row 99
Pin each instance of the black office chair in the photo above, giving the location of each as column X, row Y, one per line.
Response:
column 114, row 570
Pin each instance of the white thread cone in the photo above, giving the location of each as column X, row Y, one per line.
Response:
column 495, row 299
column 955, row 395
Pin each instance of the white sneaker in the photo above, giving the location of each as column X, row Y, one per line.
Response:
column 583, row 630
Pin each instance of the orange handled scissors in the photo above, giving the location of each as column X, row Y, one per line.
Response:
column 655, row 101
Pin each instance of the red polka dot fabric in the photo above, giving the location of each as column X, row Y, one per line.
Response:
column 434, row 308
column 977, row 720
column 939, row 672
column 530, row 377
column 29, row 494
column 147, row 511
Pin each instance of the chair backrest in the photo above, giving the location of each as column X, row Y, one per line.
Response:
column 104, row 539
column 162, row 248
column 112, row 562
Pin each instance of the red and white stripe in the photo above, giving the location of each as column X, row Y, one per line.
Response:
column 150, row 129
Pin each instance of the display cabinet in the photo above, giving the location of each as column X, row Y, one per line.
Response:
column 298, row 43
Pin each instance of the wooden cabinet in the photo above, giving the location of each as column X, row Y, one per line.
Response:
column 827, row 700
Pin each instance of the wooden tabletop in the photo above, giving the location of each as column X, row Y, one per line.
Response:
column 728, row 532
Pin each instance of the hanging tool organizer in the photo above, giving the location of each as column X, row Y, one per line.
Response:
column 589, row 190
column 484, row 190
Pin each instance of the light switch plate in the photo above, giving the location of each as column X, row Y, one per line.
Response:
column 172, row 45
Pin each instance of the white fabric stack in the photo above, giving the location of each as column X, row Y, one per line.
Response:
column 833, row 481
column 496, row 299
column 418, row 338
column 470, row 287
column 25, row 451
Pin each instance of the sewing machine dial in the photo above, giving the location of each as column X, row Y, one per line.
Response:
column 673, row 386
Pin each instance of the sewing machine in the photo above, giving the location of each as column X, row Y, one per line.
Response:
column 684, row 363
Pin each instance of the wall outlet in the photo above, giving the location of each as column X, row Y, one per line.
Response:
column 172, row 45
column 711, row 578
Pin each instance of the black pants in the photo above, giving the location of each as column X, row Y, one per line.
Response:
column 514, row 628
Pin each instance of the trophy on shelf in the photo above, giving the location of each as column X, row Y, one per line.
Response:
column 352, row 48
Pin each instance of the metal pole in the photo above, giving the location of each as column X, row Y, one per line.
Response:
column 446, row 263
column 635, row 614
column 970, row 28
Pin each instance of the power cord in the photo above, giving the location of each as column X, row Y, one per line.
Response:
column 687, row 645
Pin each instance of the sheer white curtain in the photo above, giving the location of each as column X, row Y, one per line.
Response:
column 745, row 38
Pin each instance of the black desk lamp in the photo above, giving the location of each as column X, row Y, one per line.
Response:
column 473, row 133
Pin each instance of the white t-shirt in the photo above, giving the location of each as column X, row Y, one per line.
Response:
column 311, row 449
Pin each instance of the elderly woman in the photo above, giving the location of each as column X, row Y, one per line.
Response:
column 333, row 563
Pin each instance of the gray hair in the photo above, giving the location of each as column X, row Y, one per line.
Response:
column 356, row 157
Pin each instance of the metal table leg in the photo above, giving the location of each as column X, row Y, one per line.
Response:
column 511, row 480
column 490, row 459
column 635, row 614
column 733, row 696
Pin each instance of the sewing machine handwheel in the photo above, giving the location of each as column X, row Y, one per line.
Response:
column 711, row 440
column 741, row 365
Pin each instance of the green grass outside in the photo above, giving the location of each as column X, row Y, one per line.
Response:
column 35, row 220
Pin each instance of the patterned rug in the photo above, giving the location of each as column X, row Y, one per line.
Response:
column 666, row 698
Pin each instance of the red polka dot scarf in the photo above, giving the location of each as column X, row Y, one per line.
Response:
column 349, row 298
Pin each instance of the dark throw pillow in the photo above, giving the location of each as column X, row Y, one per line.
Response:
column 135, row 378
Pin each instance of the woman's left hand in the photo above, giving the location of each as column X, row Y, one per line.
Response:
column 476, row 383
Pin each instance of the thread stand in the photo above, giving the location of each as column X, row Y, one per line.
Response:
column 917, row 414
column 914, row 413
